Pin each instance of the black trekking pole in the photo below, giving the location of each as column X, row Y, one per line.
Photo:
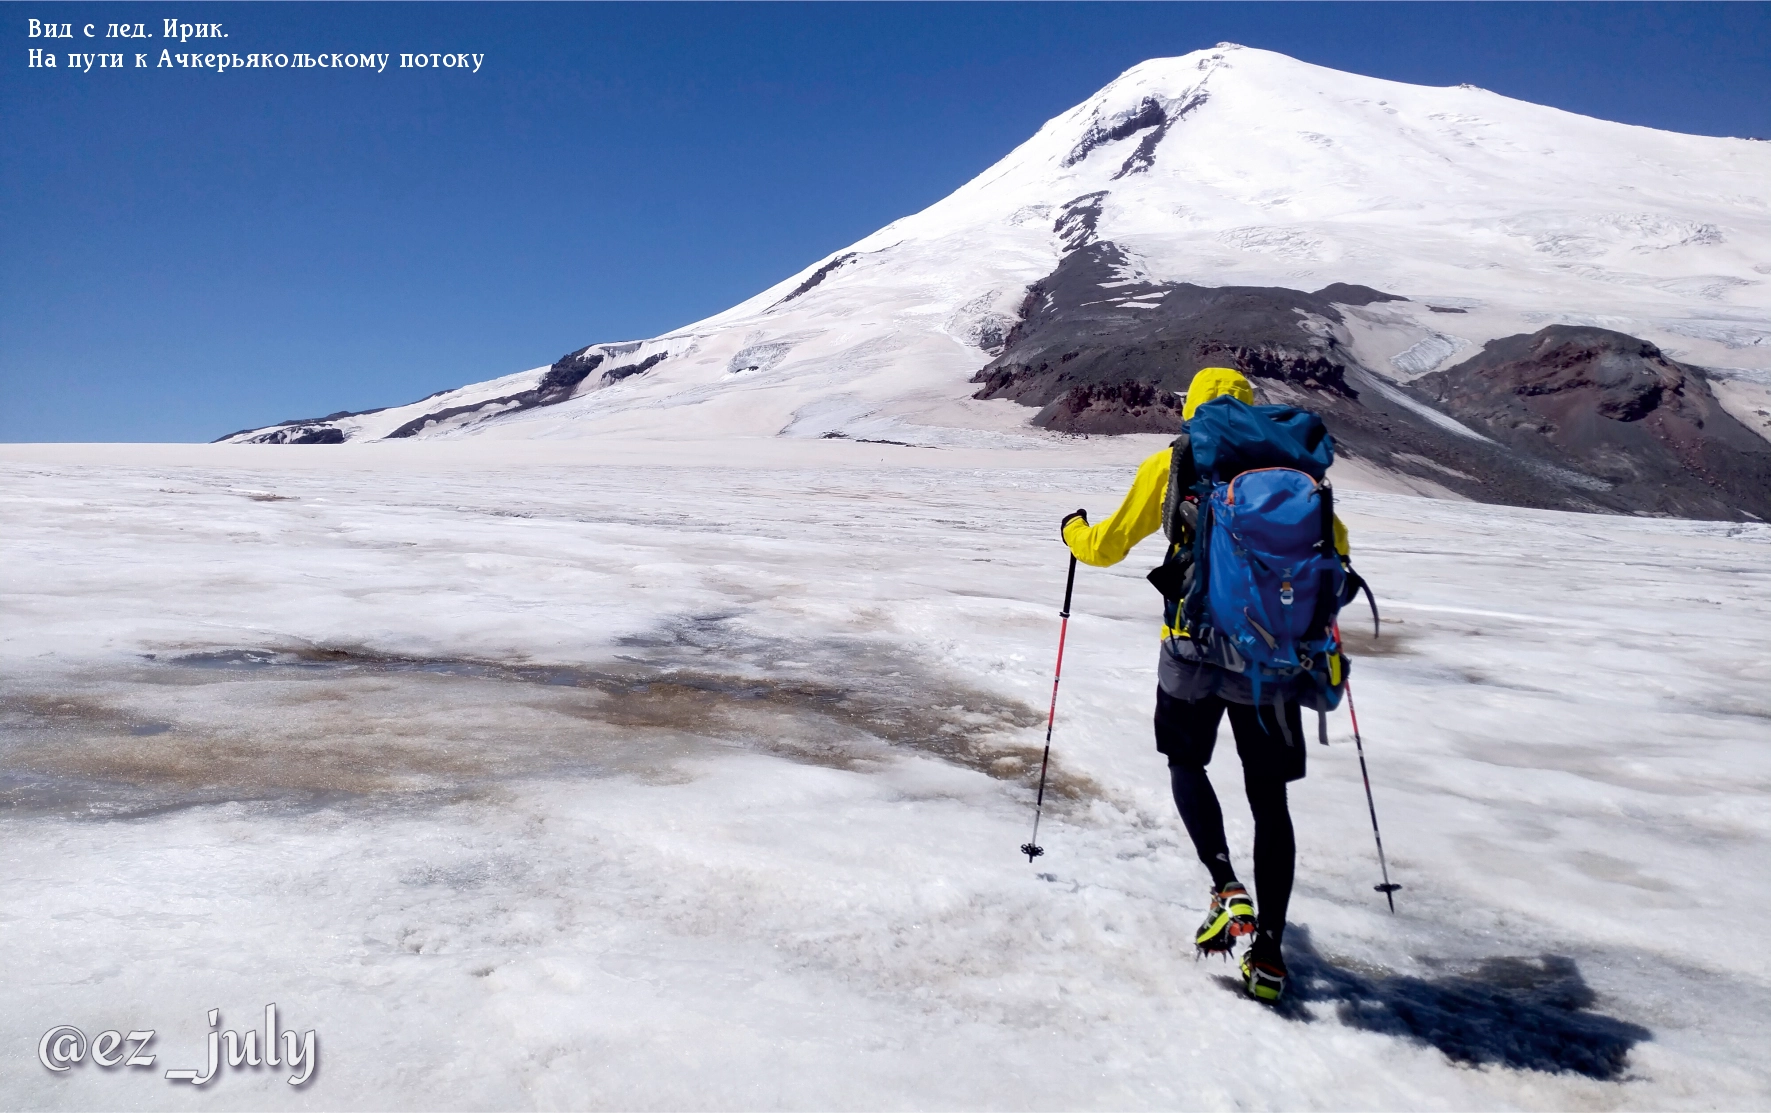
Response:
column 1388, row 888
column 1031, row 847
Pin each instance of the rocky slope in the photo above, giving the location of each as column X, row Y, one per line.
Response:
column 1647, row 429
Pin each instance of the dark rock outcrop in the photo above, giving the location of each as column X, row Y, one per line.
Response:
column 299, row 432
column 1347, row 293
column 1615, row 408
column 616, row 374
column 1126, row 407
column 1091, row 341
column 303, row 430
column 1144, row 156
column 565, row 375
column 817, row 276
column 559, row 383
column 1077, row 219
column 1147, row 114
column 1099, row 352
column 1572, row 419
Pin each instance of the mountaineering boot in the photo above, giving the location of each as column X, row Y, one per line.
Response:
column 1230, row 917
column 1263, row 971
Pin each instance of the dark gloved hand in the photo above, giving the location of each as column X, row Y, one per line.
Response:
column 1068, row 518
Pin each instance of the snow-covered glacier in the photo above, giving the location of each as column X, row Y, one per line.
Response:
column 692, row 774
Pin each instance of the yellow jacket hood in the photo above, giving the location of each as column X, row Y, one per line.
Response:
column 1215, row 382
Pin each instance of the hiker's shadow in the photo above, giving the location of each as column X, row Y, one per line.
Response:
column 1515, row 1012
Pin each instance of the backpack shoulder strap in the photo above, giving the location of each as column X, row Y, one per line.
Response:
column 1183, row 480
column 1355, row 584
column 1192, row 612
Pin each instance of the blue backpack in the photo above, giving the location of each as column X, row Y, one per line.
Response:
column 1268, row 582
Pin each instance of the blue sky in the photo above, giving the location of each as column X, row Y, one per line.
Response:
column 185, row 253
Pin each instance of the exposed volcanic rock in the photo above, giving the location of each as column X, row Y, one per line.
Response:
column 1152, row 115
column 1105, row 353
column 817, row 276
column 560, row 383
column 507, row 404
column 1148, row 113
column 1577, row 419
column 1076, row 221
column 299, row 432
column 1618, row 409
column 303, row 430
column 1144, row 157
column 616, row 374
column 555, row 386
column 565, row 375
column 1346, row 293
column 1127, row 407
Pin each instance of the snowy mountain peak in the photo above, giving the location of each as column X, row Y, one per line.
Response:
column 1480, row 216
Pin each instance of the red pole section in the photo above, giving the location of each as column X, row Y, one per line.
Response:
column 1031, row 847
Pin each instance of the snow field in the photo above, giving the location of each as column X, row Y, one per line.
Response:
column 654, row 786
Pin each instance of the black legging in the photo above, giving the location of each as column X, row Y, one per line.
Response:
column 1270, row 743
column 1275, row 849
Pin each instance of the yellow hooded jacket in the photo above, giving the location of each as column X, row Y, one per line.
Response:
column 1140, row 514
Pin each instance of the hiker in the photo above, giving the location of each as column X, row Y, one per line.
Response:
column 1198, row 683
